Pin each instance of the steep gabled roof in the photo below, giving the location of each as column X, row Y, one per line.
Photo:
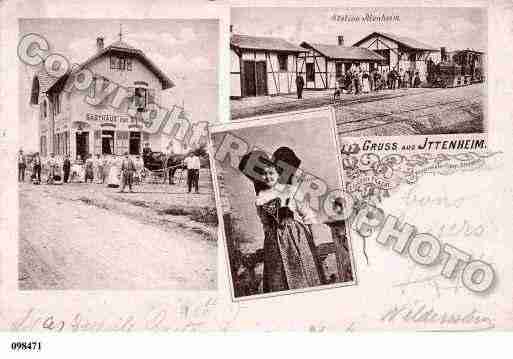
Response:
column 263, row 43
column 123, row 47
column 338, row 52
column 47, row 82
column 402, row 40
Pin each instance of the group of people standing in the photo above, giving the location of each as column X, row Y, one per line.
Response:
column 357, row 81
column 115, row 171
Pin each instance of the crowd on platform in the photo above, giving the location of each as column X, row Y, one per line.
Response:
column 357, row 80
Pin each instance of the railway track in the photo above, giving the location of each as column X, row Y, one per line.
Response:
column 297, row 105
column 403, row 116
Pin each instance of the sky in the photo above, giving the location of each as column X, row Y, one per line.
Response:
column 185, row 50
column 454, row 28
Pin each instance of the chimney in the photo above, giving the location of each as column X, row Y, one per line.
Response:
column 443, row 54
column 99, row 43
column 340, row 39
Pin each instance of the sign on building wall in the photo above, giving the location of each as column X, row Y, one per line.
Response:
column 109, row 118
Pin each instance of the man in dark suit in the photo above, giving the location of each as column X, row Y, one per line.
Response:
column 127, row 173
column 300, row 84
column 22, row 164
column 37, row 167
column 66, row 166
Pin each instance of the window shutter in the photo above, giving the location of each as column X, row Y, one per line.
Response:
column 131, row 97
column 151, row 96
column 97, row 141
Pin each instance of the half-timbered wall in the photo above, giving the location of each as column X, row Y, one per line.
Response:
column 325, row 70
column 401, row 58
column 277, row 81
column 281, row 81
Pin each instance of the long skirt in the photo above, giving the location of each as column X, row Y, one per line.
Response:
column 365, row 85
column 290, row 258
column 113, row 179
column 89, row 174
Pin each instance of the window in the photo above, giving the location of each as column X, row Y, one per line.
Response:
column 141, row 98
column 339, row 66
column 310, row 72
column 45, row 108
column 120, row 63
column 282, row 62
column 386, row 54
column 114, row 63
column 412, row 57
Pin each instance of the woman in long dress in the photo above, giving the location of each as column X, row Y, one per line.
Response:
column 365, row 83
column 113, row 179
column 89, row 169
column 290, row 254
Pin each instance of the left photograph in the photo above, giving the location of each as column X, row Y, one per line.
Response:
column 114, row 181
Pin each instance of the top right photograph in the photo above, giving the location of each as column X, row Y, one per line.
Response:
column 385, row 71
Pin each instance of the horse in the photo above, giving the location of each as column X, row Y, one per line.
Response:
column 161, row 162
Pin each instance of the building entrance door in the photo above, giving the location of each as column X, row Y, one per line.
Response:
column 249, row 85
column 134, row 145
column 107, row 142
column 255, row 78
column 82, row 144
column 261, row 78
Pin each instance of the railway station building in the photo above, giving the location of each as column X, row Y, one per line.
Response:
column 400, row 52
column 321, row 65
column 262, row 66
column 71, row 125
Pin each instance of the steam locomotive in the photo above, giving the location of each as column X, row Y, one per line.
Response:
column 459, row 68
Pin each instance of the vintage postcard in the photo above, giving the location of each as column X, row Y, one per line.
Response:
column 280, row 178
column 225, row 165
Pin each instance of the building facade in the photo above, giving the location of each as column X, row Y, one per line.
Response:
column 400, row 52
column 262, row 66
column 83, row 122
column 321, row 65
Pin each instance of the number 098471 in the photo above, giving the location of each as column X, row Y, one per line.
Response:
column 26, row 346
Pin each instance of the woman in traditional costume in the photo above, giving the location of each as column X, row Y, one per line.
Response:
column 290, row 254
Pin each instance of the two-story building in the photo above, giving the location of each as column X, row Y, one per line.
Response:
column 70, row 124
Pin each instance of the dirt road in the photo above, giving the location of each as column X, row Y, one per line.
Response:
column 69, row 243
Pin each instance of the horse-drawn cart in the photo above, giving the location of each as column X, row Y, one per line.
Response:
column 161, row 168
